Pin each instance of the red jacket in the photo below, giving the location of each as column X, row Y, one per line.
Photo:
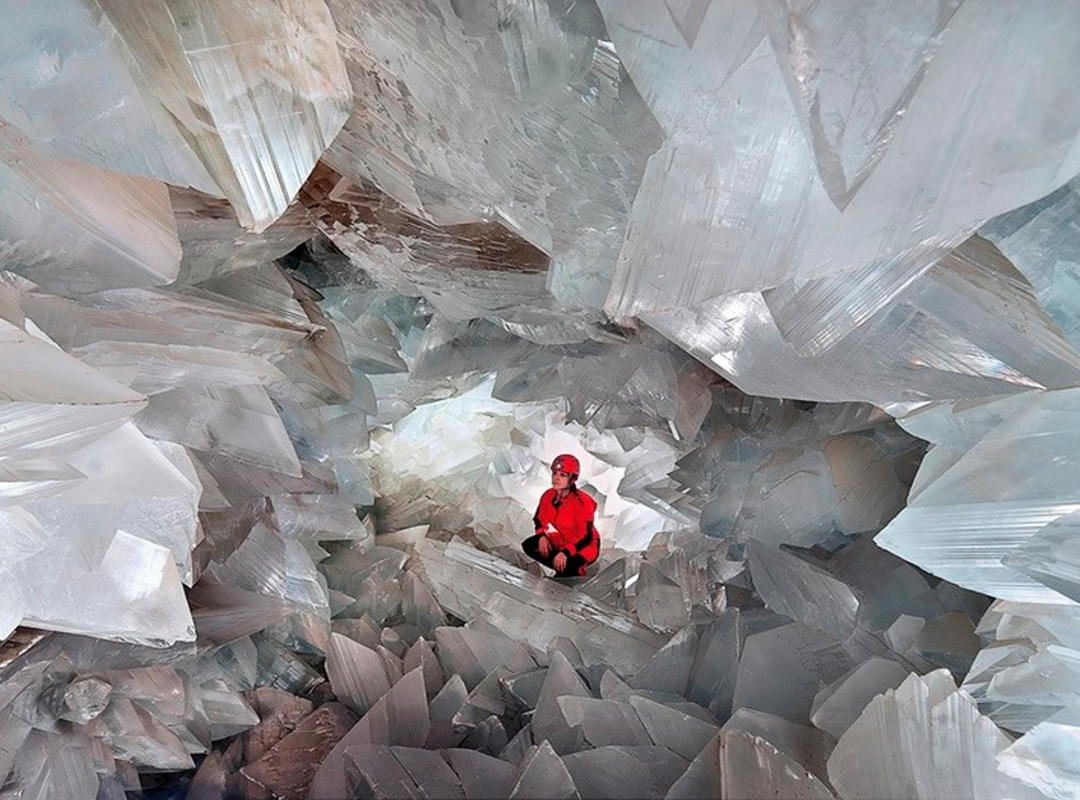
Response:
column 573, row 521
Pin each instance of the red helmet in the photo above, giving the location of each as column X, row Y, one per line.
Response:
column 566, row 463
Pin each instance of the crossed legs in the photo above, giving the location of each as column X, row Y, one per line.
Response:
column 575, row 564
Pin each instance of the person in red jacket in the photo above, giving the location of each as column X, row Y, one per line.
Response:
column 565, row 538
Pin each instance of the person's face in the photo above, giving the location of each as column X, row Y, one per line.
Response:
column 559, row 480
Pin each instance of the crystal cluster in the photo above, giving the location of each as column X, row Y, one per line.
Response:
column 300, row 298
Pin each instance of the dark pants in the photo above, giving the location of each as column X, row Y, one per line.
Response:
column 575, row 564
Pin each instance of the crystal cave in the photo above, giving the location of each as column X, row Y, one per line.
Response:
column 761, row 316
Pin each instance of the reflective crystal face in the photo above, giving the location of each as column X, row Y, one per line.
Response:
column 300, row 301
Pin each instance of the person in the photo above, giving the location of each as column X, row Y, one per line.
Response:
column 565, row 538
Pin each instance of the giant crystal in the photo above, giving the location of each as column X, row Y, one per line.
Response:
column 258, row 96
column 339, row 453
column 725, row 89
column 67, row 86
column 77, row 228
column 464, row 579
column 987, row 502
column 944, row 747
column 838, row 305
column 565, row 133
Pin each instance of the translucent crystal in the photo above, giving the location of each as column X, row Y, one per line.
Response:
column 942, row 746
column 713, row 673
column 381, row 771
column 237, row 421
column 295, row 94
column 279, row 713
column 949, row 641
column 799, row 590
column 415, row 261
column 611, row 772
column 669, row 670
column 138, row 736
column 150, row 486
column 680, row 732
column 489, row 699
column 227, row 712
column 422, row 655
column 889, row 590
column 604, row 722
column 1046, row 678
column 1050, row 557
column 133, row 594
column 481, row 776
column 419, row 606
column 774, row 774
column 660, row 603
column 702, row 776
column 664, row 233
column 356, row 672
column 554, row 723
column 400, row 717
column 86, row 699
column 268, row 564
column 290, row 766
column 1044, row 757
column 48, row 767
column 848, row 139
column 840, row 703
column 1040, row 240
column 474, row 654
column 215, row 243
column 75, row 228
column 534, row 86
column 339, row 453
column 543, row 774
column 989, row 503
column 444, row 708
column 472, row 584
column 782, row 668
column 88, row 106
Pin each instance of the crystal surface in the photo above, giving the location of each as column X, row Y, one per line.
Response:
column 400, row 717
column 258, row 96
column 287, row 769
column 481, row 776
column 72, row 227
column 840, row 703
column 567, row 134
column 463, row 578
column 680, row 64
column 379, row 771
column 943, row 746
column 544, row 774
column 610, row 772
column 806, row 658
column 799, row 590
column 299, row 299
column 357, row 673
column 805, row 745
column 1011, row 504
column 773, row 774
column 88, row 105
column 1044, row 758
column 670, row 728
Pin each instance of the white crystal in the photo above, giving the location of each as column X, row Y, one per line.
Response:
column 840, row 703
column 941, row 746
column 260, row 143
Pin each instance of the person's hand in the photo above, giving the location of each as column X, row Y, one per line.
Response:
column 560, row 562
column 544, row 546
